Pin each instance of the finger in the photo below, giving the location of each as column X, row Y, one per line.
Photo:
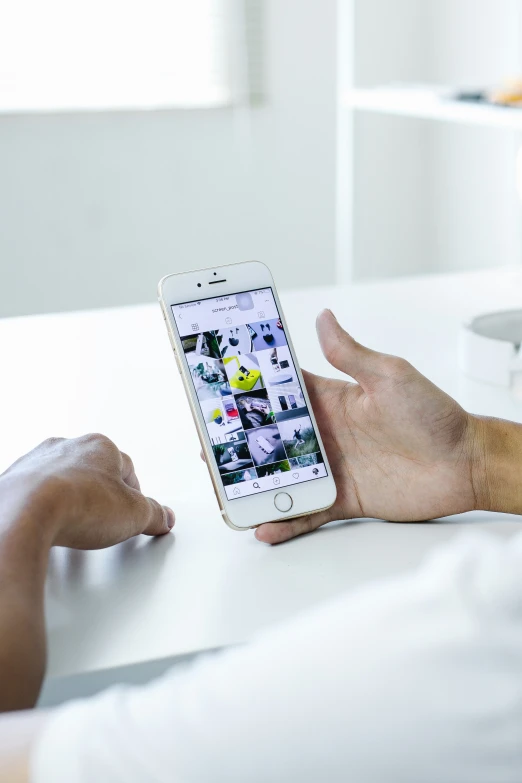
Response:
column 127, row 472
column 150, row 517
column 202, row 455
column 277, row 532
column 345, row 354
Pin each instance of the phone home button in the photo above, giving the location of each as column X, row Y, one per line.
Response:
column 283, row 501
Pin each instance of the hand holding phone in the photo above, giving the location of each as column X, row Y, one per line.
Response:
column 392, row 458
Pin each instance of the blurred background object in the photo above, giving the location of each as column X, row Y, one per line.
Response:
column 428, row 185
column 140, row 138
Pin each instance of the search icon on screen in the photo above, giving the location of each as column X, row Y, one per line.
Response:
column 256, row 485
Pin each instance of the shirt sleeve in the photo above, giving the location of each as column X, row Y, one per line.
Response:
column 416, row 679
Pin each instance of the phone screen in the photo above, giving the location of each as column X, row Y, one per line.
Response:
column 254, row 410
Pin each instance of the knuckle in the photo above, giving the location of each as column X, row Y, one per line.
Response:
column 97, row 438
column 396, row 365
column 125, row 457
column 155, row 509
column 48, row 442
column 158, row 515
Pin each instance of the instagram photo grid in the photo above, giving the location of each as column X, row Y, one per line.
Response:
column 252, row 401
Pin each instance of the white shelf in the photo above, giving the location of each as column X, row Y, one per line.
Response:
column 431, row 104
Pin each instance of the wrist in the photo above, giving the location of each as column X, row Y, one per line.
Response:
column 496, row 464
column 31, row 508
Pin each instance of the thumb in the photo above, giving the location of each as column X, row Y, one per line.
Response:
column 155, row 519
column 345, row 354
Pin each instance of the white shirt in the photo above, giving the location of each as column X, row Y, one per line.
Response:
column 413, row 680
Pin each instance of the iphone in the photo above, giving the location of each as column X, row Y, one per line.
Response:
column 226, row 326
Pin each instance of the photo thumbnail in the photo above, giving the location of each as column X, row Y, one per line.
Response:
column 280, row 377
column 232, row 457
column 265, row 445
column 202, row 344
column 274, row 469
column 234, row 341
column 236, row 435
column 229, row 437
column 277, row 366
column 207, row 370
column 254, row 409
column 240, row 476
column 307, row 460
column 291, row 406
column 267, row 334
column 243, row 373
column 298, row 436
column 287, row 401
column 221, row 417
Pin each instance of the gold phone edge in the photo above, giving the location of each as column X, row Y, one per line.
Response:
column 192, row 404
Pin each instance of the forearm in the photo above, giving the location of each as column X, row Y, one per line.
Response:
column 22, row 627
column 24, row 550
column 81, row 493
column 498, row 465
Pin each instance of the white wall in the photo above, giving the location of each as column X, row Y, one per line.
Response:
column 429, row 196
column 95, row 208
column 478, row 218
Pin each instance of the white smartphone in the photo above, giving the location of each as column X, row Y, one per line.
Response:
column 235, row 313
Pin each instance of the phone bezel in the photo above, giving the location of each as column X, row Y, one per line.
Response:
column 308, row 497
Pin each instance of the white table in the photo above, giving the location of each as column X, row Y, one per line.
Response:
column 206, row 586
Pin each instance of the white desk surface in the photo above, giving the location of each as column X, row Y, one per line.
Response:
column 205, row 586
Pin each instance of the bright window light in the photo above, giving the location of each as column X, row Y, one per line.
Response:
column 104, row 54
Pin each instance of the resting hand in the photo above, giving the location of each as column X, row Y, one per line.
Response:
column 83, row 491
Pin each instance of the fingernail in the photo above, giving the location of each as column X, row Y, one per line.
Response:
column 259, row 534
column 327, row 310
column 170, row 517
